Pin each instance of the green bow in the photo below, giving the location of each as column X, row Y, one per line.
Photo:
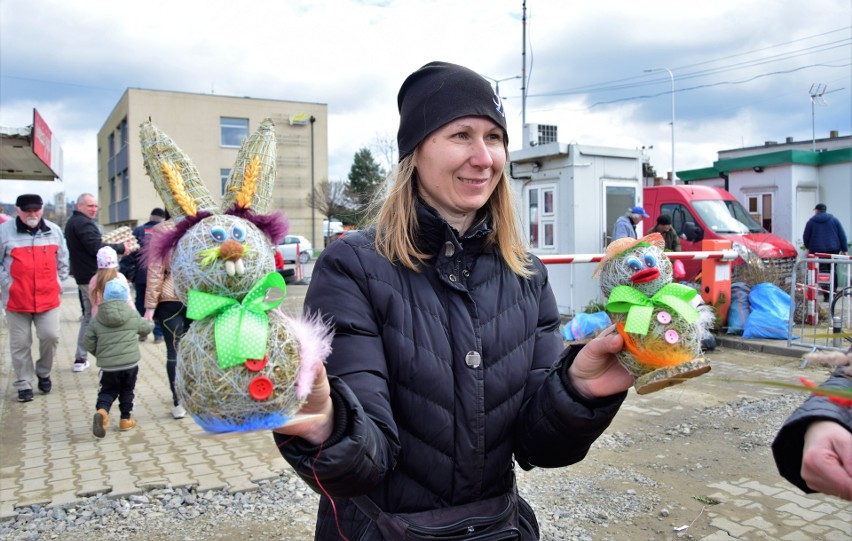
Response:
column 241, row 328
column 639, row 307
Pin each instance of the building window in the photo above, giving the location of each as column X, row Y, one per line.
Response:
column 760, row 209
column 111, row 144
column 223, row 178
column 233, row 131
column 542, row 217
column 122, row 128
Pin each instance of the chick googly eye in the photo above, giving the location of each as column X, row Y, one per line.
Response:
column 218, row 234
column 650, row 261
column 633, row 263
column 238, row 233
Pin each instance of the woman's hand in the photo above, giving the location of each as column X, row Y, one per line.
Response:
column 827, row 459
column 318, row 405
column 595, row 371
column 149, row 314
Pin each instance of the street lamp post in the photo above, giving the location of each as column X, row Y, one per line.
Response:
column 313, row 189
column 673, row 115
column 498, row 81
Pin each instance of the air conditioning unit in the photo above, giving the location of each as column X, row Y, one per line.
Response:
column 539, row 134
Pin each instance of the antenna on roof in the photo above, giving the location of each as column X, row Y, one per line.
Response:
column 817, row 96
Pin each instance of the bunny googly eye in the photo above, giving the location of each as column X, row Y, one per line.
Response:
column 633, row 263
column 650, row 261
column 238, row 233
column 218, row 234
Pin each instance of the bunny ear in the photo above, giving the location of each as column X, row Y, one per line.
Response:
column 174, row 175
column 253, row 175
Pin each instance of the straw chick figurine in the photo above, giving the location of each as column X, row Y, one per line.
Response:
column 243, row 364
column 658, row 319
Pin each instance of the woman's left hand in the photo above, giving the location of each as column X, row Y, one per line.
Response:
column 596, row 372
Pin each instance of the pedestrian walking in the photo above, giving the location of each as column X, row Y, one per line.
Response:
column 83, row 236
column 112, row 337
column 824, row 234
column 33, row 264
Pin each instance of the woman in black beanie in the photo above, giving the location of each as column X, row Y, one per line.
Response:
column 447, row 364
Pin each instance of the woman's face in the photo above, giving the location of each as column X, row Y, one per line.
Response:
column 458, row 167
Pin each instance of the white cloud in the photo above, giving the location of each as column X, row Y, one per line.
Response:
column 73, row 61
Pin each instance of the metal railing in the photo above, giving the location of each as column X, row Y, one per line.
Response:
column 806, row 326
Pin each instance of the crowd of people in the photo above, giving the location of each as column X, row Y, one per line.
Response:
column 36, row 256
column 447, row 367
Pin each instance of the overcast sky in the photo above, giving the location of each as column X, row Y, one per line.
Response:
column 743, row 70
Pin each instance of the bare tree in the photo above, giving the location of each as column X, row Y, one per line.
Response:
column 384, row 146
column 330, row 199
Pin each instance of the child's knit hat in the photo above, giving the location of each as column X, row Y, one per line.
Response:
column 107, row 258
column 115, row 290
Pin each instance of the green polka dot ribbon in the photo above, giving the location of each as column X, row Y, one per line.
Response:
column 639, row 307
column 241, row 328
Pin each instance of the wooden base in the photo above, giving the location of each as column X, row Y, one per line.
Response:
column 666, row 377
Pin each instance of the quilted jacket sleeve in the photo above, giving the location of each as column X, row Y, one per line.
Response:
column 789, row 442
column 365, row 442
column 557, row 425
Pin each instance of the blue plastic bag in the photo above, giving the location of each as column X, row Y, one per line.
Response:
column 739, row 309
column 584, row 325
column 770, row 312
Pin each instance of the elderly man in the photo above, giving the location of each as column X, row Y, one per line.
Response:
column 83, row 236
column 670, row 236
column 824, row 234
column 33, row 264
column 625, row 226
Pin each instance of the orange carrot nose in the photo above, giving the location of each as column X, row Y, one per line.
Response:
column 231, row 250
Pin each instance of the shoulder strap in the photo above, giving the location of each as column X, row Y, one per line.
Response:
column 367, row 506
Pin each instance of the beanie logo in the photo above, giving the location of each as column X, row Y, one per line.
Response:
column 498, row 105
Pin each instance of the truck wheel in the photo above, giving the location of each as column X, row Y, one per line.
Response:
column 304, row 257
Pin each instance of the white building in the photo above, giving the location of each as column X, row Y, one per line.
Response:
column 781, row 183
column 571, row 195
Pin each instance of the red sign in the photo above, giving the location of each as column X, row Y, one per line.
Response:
column 41, row 138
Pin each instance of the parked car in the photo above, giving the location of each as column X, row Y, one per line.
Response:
column 296, row 246
column 708, row 212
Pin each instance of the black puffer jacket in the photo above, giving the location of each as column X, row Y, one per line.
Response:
column 83, row 237
column 790, row 441
column 438, row 378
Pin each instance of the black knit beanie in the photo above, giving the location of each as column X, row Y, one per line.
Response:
column 439, row 93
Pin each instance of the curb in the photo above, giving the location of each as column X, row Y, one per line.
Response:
column 759, row 346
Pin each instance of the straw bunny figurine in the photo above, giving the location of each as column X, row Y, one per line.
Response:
column 242, row 364
column 658, row 319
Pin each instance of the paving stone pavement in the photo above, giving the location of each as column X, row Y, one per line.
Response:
column 48, row 455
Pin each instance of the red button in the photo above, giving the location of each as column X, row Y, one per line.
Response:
column 260, row 388
column 256, row 365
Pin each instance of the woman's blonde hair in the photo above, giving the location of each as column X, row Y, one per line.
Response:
column 102, row 277
column 397, row 226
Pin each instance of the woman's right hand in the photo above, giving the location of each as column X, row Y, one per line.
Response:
column 318, row 405
column 149, row 314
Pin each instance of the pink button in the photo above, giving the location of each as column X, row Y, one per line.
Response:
column 671, row 336
column 664, row 317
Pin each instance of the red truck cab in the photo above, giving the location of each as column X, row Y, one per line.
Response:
column 708, row 212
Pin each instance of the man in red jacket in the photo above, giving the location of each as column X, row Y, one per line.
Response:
column 33, row 264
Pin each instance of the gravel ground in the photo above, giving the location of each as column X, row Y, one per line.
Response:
column 640, row 480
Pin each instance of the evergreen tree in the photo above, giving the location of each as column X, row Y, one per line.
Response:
column 366, row 178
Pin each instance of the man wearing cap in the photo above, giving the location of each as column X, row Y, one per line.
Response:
column 625, row 226
column 664, row 228
column 33, row 264
column 83, row 235
column 140, row 276
column 825, row 235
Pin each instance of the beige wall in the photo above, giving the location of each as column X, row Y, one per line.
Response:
column 193, row 122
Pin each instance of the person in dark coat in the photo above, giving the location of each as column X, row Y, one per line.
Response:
column 813, row 449
column 824, row 234
column 83, row 237
column 447, row 366
column 140, row 267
